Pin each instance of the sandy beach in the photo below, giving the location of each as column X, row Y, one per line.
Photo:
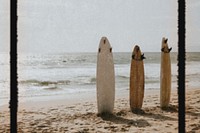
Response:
column 80, row 115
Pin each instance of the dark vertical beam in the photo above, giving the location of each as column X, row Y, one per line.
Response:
column 13, row 66
column 181, row 65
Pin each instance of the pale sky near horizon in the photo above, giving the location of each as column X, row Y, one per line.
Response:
column 78, row 25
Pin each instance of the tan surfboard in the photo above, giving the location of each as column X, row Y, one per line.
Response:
column 105, row 78
column 165, row 74
column 137, row 79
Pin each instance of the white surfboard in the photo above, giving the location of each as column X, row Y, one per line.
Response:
column 165, row 74
column 105, row 78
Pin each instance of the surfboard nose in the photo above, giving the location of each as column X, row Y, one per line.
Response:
column 136, row 48
column 137, row 55
column 165, row 48
column 164, row 40
column 104, row 39
column 104, row 45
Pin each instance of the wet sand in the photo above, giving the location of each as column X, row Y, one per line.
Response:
column 80, row 116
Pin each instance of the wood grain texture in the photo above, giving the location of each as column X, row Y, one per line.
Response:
column 105, row 77
column 165, row 74
column 136, row 79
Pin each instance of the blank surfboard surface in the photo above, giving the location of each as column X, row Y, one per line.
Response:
column 136, row 79
column 165, row 74
column 105, row 78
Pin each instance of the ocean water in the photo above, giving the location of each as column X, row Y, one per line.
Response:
column 43, row 75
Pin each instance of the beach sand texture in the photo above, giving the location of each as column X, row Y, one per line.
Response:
column 81, row 117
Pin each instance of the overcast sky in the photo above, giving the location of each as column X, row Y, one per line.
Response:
column 78, row 25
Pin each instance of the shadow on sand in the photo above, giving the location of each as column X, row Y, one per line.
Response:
column 118, row 117
column 119, row 120
column 193, row 111
column 157, row 116
column 170, row 108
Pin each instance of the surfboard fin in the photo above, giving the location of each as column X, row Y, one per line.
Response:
column 170, row 49
column 166, row 40
column 162, row 49
column 133, row 56
column 104, row 41
column 110, row 50
column 99, row 50
column 142, row 57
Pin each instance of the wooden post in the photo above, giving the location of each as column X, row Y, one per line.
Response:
column 13, row 67
column 181, row 65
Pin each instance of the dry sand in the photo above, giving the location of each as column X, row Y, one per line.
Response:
column 80, row 116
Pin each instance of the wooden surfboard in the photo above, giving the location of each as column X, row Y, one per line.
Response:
column 165, row 74
column 105, row 78
column 136, row 79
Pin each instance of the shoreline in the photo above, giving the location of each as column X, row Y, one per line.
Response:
column 81, row 97
column 75, row 98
